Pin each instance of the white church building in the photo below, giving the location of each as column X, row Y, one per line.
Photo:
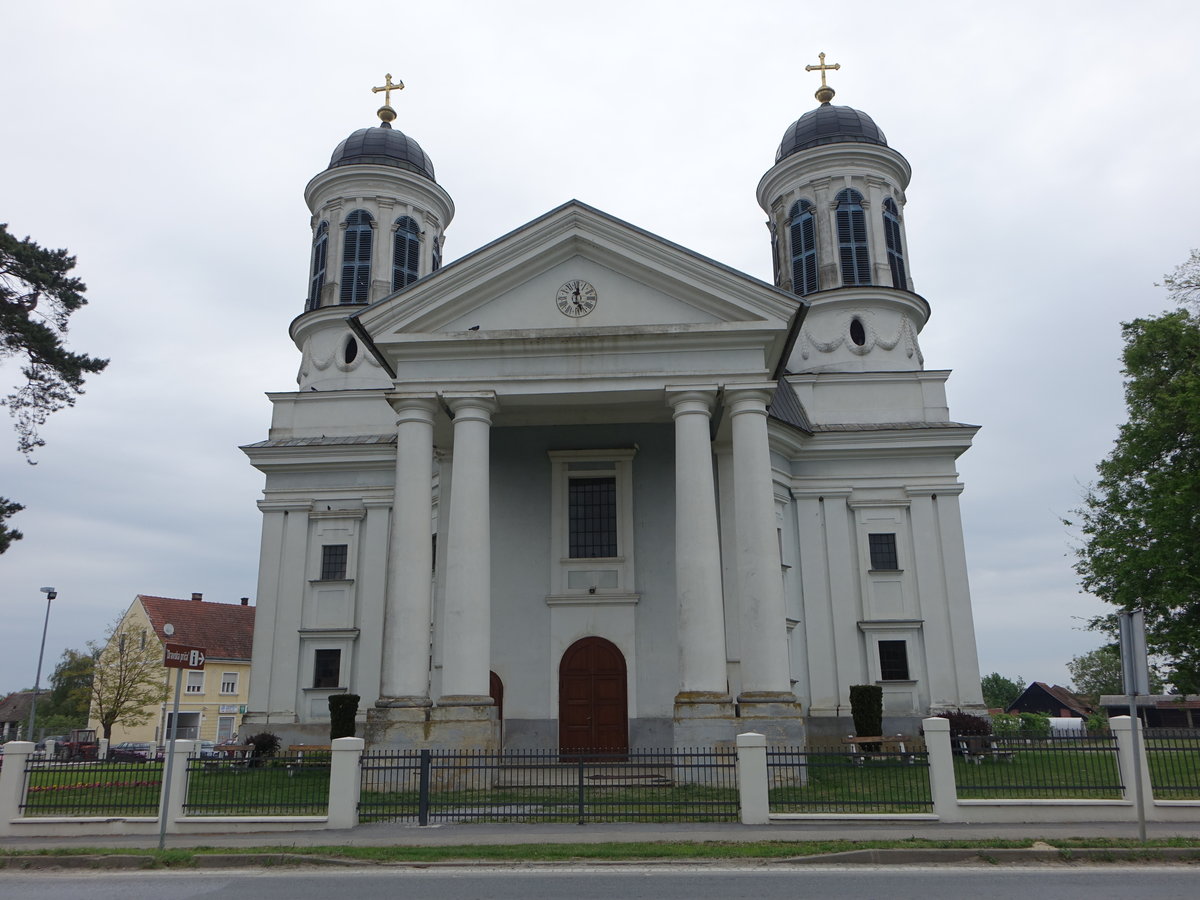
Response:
column 585, row 488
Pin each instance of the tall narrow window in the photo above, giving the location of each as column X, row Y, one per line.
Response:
column 327, row 668
column 319, row 257
column 356, row 258
column 333, row 562
column 437, row 254
column 593, row 518
column 803, row 230
column 406, row 253
column 853, row 251
column 895, row 250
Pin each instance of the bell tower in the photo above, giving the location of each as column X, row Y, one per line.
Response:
column 378, row 219
column 835, row 200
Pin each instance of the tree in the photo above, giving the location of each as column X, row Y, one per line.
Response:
column 37, row 298
column 71, row 687
column 1141, row 519
column 1099, row 672
column 999, row 692
column 128, row 681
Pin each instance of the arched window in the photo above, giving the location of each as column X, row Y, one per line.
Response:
column 895, row 249
column 803, row 228
column 437, row 254
column 319, row 256
column 852, row 238
column 406, row 253
column 356, row 258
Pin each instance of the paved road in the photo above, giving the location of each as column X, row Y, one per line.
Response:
column 978, row 882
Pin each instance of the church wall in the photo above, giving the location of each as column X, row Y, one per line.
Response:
column 531, row 628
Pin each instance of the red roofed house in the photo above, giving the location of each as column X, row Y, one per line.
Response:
column 213, row 699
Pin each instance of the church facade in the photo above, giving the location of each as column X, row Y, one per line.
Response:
column 584, row 488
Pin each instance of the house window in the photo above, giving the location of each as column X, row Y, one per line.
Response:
column 895, row 250
column 320, row 255
column 883, row 552
column 356, row 258
column 592, row 512
column 803, row 229
column 406, row 253
column 333, row 562
column 853, row 252
column 224, row 729
column 327, row 668
column 893, row 661
column 229, row 682
column 195, row 682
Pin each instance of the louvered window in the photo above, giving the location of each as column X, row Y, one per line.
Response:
column 895, row 250
column 853, row 252
column 319, row 257
column 437, row 254
column 356, row 258
column 406, row 253
column 804, row 248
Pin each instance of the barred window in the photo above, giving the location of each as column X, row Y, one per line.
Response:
column 883, row 551
column 333, row 562
column 593, row 518
column 893, row 661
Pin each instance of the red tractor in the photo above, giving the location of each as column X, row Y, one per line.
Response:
column 82, row 744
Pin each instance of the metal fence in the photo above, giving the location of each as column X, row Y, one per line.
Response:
column 990, row 767
column 1173, row 760
column 92, row 788
column 276, row 786
column 867, row 778
column 441, row 786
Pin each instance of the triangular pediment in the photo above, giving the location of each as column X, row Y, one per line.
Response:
column 503, row 300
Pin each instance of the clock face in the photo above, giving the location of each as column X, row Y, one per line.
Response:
column 576, row 298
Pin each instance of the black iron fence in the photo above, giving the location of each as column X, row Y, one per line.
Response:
column 990, row 767
column 440, row 786
column 91, row 788
column 1173, row 760
column 272, row 786
column 864, row 778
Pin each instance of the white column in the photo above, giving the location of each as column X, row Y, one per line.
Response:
column 466, row 638
column 697, row 549
column 764, row 652
column 404, row 674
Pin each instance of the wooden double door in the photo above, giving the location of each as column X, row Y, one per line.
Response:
column 592, row 699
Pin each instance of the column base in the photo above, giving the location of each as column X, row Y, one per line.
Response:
column 465, row 727
column 774, row 714
column 703, row 720
column 402, row 702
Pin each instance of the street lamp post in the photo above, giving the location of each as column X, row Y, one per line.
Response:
column 50, row 593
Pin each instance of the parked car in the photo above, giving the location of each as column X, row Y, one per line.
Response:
column 134, row 751
column 206, row 749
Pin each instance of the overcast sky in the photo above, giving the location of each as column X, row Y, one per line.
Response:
column 1054, row 151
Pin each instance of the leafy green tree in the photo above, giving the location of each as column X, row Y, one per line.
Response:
column 128, row 680
column 1099, row 672
column 37, row 298
column 1139, row 520
column 71, row 687
column 999, row 692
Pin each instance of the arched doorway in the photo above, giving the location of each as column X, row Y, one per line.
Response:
column 496, row 689
column 592, row 704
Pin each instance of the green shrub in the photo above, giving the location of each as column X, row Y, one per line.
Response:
column 342, row 710
column 1006, row 725
column 1035, row 724
column 1097, row 723
column 265, row 744
column 966, row 723
column 866, row 706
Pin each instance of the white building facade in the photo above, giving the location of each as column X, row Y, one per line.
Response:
column 584, row 488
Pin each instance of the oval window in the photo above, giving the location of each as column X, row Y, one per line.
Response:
column 858, row 334
column 351, row 351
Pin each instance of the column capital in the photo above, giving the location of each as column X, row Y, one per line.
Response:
column 411, row 406
column 479, row 405
column 743, row 398
column 695, row 398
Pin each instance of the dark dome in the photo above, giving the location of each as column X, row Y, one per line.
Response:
column 829, row 125
column 382, row 146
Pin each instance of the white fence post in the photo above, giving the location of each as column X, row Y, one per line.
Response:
column 179, row 774
column 12, row 782
column 942, row 787
column 1124, row 731
column 345, row 781
column 752, row 779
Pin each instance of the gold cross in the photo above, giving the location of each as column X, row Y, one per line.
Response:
column 822, row 68
column 388, row 86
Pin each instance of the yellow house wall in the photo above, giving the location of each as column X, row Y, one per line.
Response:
column 208, row 702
